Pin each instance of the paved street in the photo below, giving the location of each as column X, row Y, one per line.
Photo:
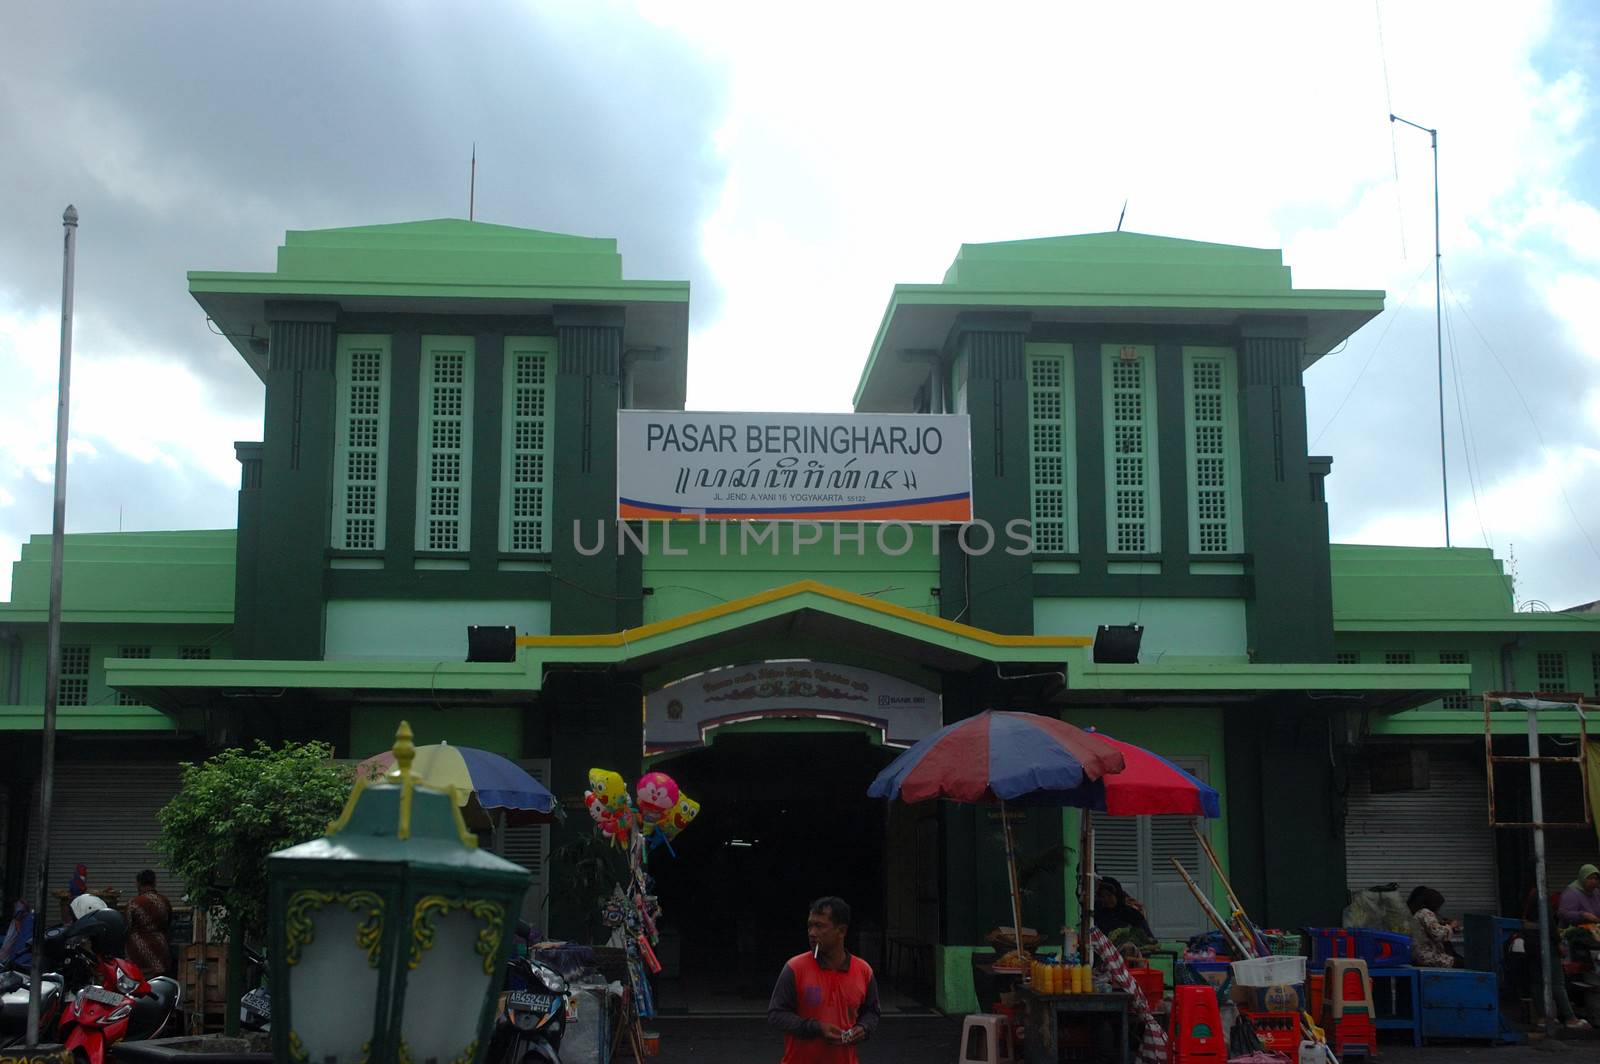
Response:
column 934, row 1040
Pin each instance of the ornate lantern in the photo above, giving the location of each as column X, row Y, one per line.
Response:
column 390, row 933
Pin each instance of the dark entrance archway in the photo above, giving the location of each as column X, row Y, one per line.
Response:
column 785, row 819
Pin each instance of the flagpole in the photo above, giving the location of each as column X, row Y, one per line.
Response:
column 52, row 653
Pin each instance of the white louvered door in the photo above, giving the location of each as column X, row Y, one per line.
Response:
column 529, row 846
column 1138, row 852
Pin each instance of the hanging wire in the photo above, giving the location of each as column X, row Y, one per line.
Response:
column 1394, row 316
column 1577, row 522
column 1394, row 148
column 1463, row 419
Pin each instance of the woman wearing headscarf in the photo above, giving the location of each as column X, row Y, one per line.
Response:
column 1115, row 912
column 17, row 948
column 1430, row 931
column 1580, row 902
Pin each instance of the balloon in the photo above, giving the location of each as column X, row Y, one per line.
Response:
column 682, row 813
column 657, row 794
column 609, row 787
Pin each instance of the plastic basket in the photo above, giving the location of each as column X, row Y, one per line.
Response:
column 1327, row 942
column 1269, row 971
column 1284, row 943
column 1279, row 1031
column 1383, row 949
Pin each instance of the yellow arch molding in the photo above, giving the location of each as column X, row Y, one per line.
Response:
column 798, row 588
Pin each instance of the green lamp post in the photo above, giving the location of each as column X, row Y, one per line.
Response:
column 388, row 934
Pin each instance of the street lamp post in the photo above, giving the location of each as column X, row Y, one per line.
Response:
column 388, row 933
column 1438, row 314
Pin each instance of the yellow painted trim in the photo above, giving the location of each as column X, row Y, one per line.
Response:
column 802, row 587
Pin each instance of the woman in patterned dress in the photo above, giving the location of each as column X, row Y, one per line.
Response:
column 149, row 916
column 1430, row 932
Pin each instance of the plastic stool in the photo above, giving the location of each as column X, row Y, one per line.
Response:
column 1196, row 1032
column 986, row 1039
column 1346, row 990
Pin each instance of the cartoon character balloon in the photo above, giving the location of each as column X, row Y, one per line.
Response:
column 682, row 813
column 657, row 793
column 610, row 807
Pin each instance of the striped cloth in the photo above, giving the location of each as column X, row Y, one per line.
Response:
column 1153, row 1049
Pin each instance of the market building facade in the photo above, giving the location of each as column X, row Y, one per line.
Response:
column 450, row 416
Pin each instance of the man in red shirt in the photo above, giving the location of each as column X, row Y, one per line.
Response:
column 826, row 1000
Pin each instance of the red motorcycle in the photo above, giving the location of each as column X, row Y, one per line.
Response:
column 114, row 1001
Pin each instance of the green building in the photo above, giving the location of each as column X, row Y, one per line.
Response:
column 441, row 450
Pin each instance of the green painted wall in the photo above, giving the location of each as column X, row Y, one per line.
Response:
column 497, row 730
column 1285, row 778
column 722, row 561
column 1177, row 626
column 1285, row 520
column 377, row 629
column 296, row 486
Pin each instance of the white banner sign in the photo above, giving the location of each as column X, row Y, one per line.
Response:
column 682, row 714
column 674, row 464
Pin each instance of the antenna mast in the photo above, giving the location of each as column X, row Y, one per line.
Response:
column 472, row 184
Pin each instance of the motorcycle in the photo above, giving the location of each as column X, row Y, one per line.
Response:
column 255, row 1008
column 535, row 1009
column 14, row 988
column 115, row 1002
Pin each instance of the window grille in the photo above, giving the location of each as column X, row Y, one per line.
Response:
column 72, row 688
column 362, row 442
column 1595, row 667
column 444, row 445
column 525, row 446
column 1346, row 657
column 1133, row 520
column 1456, row 700
column 1398, row 657
column 141, row 653
column 1552, row 671
column 1212, row 450
column 1052, row 449
column 194, row 654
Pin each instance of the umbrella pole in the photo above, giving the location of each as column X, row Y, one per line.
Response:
column 1011, row 871
column 1086, row 890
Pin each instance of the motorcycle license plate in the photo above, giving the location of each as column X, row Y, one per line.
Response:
column 523, row 999
column 102, row 996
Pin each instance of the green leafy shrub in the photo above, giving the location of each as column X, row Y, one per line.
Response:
column 234, row 809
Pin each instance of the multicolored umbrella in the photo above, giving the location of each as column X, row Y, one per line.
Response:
column 1022, row 758
column 1150, row 784
column 491, row 782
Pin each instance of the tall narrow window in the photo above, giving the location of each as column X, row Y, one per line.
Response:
column 1552, row 668
column 362, row 442
column 525, row 446
column 1052, row 449
column 1132, row 515
column 142, row 653
column 1457, row 700
column 444, row 444
column 72, row 688
column 1212, row 449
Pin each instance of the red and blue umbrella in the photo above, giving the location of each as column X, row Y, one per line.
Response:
column 1022, row 758
column 1150, row 784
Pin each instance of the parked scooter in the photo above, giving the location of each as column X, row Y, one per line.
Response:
column 116, row 1002
column 14, row 987
column 534, row 1011
column 255, row 1008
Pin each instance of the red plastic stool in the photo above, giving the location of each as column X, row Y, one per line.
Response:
column 1354, row 1036
column 1196, row 1032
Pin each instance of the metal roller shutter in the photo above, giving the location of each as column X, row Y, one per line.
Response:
column 529, row 846
column 1439, row 836
column 1565, row 851
column 104, row 816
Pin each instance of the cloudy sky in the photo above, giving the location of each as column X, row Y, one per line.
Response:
column 794, row 167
